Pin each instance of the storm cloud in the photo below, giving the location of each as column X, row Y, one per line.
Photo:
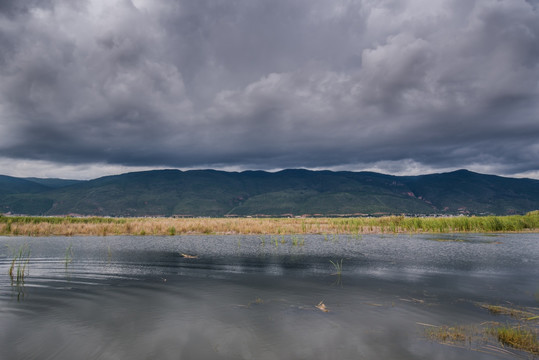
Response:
column 398, row 86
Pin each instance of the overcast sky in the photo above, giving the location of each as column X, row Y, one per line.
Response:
column 89, row 88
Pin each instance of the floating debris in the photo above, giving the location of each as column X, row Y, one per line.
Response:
column 372, row 304
column 504, row 310
column 413, row 300
column 443, row 239
column 257, row 301
column 425, row 324
column 322, row 307
column 187, row 256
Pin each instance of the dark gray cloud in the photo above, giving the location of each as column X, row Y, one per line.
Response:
column 387, row 84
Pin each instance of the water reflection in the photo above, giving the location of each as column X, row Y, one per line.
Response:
column 245, row 297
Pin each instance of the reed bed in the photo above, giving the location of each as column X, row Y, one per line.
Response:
column 70, row 226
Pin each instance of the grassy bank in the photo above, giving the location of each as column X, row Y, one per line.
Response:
column 45, row 226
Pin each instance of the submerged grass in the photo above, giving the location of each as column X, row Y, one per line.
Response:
column 449, row 334
column 520, row 332
column 518, row 338
column 515, row 313
column 491, row 339
column 331, row 228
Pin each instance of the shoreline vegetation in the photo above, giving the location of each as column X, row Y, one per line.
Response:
column 108, row 226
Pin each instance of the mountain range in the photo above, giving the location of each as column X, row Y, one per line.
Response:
column 292, row 192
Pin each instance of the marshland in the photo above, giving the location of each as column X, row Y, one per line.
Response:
column 69, row 226
column 314, row 288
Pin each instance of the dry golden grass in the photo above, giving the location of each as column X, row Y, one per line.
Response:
column 68, row 226
column 449, row 334
column 503, row 310
column 169, row 226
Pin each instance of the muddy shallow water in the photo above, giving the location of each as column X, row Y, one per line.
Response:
column 255, row 297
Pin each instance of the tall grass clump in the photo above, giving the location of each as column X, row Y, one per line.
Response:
column 338, row 267
column 518, row 338
column 19, row 265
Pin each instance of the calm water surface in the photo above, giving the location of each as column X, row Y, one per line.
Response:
column 255, row 297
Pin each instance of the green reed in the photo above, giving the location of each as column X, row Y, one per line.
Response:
column 68, row 259
column 19, row 265
column 338, row 267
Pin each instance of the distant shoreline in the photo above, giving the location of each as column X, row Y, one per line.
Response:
column 104, row 226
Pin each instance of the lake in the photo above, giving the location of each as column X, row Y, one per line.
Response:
column 263, row 297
